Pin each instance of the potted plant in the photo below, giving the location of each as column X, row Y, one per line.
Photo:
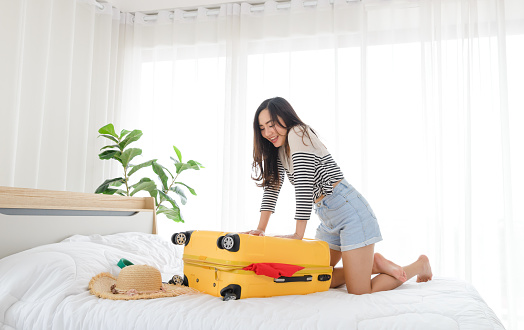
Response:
column 119, row 150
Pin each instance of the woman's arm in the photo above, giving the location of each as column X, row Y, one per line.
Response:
column 269, row 201
column 303, row 158
column 262, row 224
column 299, row 231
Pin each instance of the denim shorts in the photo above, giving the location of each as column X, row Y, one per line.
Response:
column 347, row 221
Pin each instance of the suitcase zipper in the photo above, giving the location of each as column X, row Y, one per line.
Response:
column 227, row 267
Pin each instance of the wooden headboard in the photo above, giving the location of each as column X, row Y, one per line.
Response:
column 33, row 217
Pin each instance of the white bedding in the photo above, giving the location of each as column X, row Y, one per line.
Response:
column 46, row 287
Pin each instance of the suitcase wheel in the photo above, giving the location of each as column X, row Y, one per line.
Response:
column 181, row 238
column 324, row 277
column 231, row 292
column 229, row 296
column 230, row 242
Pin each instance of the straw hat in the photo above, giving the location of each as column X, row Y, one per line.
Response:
column 135, row 282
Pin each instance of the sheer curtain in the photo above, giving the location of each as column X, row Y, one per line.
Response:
column 57, row 86
column 419, row 102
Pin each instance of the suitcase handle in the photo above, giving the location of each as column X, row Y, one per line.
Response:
column 284, row 279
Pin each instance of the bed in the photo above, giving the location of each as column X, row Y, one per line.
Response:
column 53, row 243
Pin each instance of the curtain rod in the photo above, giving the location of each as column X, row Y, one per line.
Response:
column 215, row 11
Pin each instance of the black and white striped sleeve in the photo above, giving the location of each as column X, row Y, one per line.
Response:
column 304, row 175
column 269, row 200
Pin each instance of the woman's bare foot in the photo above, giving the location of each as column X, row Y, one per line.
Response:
column 382, row 265
column 426, row 274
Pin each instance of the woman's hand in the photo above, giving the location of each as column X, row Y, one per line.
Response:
column 292, row 236
column 256, row 232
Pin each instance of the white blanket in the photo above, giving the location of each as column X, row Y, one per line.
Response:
column 46, row 287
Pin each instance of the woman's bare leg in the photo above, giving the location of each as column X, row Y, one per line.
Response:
column 337, row 278
column 358, row 267
column 381, row 265
column 421, row 268
column 424, row 274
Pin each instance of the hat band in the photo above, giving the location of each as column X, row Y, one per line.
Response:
column 134, row 292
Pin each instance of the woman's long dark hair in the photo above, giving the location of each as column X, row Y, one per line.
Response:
column 265, row 154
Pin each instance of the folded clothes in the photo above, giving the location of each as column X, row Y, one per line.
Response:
column 273, row 269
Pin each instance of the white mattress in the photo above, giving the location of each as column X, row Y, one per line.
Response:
column 46, row 287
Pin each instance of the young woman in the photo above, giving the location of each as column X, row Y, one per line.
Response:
column 284, row 144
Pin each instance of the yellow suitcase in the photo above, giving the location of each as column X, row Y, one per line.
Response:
column 214, row 262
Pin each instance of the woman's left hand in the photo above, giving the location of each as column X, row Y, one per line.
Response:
column 292, row 236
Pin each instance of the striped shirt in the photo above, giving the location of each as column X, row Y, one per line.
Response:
column 311, row 170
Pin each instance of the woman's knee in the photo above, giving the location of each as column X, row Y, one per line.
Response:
column 358, row 290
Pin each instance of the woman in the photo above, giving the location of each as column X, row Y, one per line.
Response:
column 284, row 144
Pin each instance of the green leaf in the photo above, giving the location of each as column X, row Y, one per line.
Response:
column 112, row 138
column 201, row 166
column 163, row 209
column 139, row 182
column 177, row 190
column 190, row 165
column 111, row 146
column 129, row 154
column 123, row 133
column 139, row 166
column 193, row 165
column 155, row 197
column 144, row 184
column 109, row 154
column 109, row 191
column 117, row 183
column 178, row 153
column 104, row 186
column 180, row 167
column 159, row 170
column 108, row 129
column 166, row 198
column 121, row 192
column 168, row 171
column 130, row 138
column 176, row 161
column 188, row 187
column 152, row 192
column 173, row 214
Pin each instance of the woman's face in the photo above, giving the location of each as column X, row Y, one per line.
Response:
column 270, row 130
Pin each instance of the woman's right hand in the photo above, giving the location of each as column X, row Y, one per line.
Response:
column 256, row 232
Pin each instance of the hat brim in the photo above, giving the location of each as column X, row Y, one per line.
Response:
column 100, row 286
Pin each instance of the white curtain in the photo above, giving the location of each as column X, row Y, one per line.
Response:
column 420, row 102
column 57, row 87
